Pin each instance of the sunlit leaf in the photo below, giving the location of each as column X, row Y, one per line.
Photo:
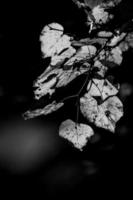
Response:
column 101, row 88
column 104, row 115
column 50, row 35
column 85, row 52
column 78, row 134
column 100, row 15
column 43, row 111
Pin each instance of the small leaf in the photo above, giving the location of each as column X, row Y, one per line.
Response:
column 111, row 58
column 85, row 52
column 129, row 39
column 116, row 39
column 105, row 34
column 100, row 15
column 116, row 56
column 101, row 69
column 78, row 134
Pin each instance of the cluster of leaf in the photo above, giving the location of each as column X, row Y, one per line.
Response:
column 91, row 56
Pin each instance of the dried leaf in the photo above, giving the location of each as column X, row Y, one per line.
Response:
column 53, row 78
column 56, row 78
column 60, row 58
column 85, row 52
column 112, row 57
column 43, row 111
column 78, row 134
column 111, row 3
column 44, row 87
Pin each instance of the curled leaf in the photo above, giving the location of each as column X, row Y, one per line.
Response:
column 85, row 52
column 56, row 78
column 78, row 134
column 43, row 111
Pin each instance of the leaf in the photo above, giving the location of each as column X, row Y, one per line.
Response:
column 110, row 3
column 101, row 88
column 105, row 34
column 78, row 134
column 60, row 58
column 54, row 79
column 115, row 56
column 129, row 39
column 111, row 57
column 55, row 44
column 124, row 46
column 92, row 3
column 85, row 52
column 127, row 43
column 101, row 69
column 100, row 15
column 105, row 4
column 116, row 39
column 52, row 107
column 104, row 115
column 50, row 35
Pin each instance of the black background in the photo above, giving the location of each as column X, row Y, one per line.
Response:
column 69, row 173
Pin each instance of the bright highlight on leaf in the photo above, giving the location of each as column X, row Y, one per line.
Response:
column 78, row 134
column 100, row 15
column 101, row 88
column 104, row 115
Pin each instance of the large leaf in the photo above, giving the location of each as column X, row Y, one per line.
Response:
column 104, row 115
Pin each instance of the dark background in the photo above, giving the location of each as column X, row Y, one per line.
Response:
column 51, row 167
